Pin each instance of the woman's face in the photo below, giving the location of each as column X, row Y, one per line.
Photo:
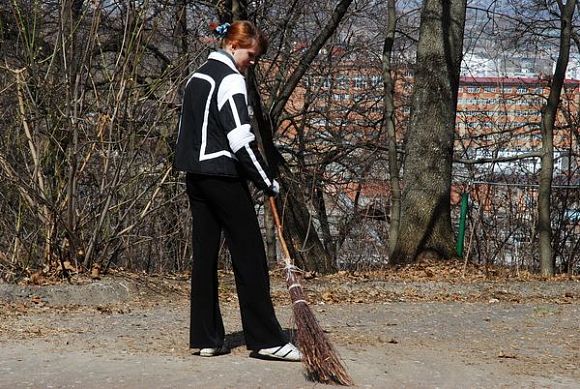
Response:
column 244, row 58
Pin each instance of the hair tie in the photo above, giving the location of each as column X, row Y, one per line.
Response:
column 222, row 30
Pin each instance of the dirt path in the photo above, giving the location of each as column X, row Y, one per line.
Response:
column 131, row 333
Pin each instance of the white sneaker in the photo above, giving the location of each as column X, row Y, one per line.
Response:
column 287, row 352
column 212, row 352
column 208, row 352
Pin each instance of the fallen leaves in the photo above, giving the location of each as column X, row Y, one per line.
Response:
column 111, row 309
column 507, row 355
column 96, row 272
column 426, row 281
column 440, row 281
column 447, row 271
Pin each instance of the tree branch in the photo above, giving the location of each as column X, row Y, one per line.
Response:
column 308, row 57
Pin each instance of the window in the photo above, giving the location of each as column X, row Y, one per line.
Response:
column 340, row 97
column 359, row 82
column 376, row 80
column 342, row 82
column 321, row 122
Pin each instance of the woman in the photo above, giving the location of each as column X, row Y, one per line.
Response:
column 217, row 149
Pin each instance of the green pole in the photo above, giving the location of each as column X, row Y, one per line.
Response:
column 462, row 219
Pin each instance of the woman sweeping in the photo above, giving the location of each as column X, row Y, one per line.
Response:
column 217, row 149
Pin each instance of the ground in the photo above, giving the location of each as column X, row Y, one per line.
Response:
column 421, row 327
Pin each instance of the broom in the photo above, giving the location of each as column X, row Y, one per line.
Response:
column 319, row 356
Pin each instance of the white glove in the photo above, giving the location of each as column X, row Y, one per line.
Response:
column 274, row 189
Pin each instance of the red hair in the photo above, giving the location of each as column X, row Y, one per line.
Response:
column 244, row 34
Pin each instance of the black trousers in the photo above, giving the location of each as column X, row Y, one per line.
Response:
column 220, row 203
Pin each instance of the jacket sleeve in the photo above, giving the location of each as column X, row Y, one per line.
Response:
column 233, row 113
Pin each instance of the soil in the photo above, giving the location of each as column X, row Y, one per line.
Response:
column 421, row 328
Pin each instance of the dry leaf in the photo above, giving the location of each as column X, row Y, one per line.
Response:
column 69, row 266
column 96, row 272
column 507, row 356
column 37, row 278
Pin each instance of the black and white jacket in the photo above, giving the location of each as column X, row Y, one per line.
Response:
column 215, row 137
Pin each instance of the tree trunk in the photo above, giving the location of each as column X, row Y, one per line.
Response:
column 224, row 9
column 181, row 33
column 425, row 205
column 547, row 160
column 389, row 124
column 303, row 242
column 320, row 204
column 270, row 234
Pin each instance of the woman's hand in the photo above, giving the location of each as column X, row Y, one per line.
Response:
column 274, row 189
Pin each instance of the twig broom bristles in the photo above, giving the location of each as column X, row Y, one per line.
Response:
column 319, row 356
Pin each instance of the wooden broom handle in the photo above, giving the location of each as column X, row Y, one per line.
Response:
column 279, row 230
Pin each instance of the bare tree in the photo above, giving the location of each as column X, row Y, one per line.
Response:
column 549, row 113
column 90, row 92
column 83, row 158
column 389, row 123
column 305, row 244
column 425, row 206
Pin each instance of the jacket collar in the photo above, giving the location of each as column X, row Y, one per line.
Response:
column 225, row 58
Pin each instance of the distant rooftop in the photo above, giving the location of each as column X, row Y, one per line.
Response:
column 538, row 80
column 515, row 66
